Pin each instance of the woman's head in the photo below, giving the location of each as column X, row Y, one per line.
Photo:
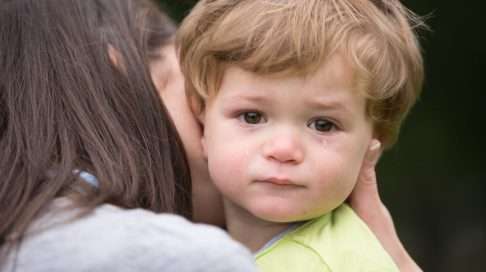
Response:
column 65, row 106
column 158, row 32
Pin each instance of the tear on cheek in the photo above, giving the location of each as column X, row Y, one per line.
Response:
column 324, row 142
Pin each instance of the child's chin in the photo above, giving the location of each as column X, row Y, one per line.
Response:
column 280, row 216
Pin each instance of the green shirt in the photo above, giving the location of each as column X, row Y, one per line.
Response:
column 337, row 241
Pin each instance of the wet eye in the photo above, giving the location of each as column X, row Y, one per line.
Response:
column 251, row 117
column 322, row 125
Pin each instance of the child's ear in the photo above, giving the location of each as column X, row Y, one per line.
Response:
column 203, row 144
column 200, row 113
column 197, row 109
column 201, row 119
column 374, row 152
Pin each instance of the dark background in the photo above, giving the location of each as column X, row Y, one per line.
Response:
column 434, row 180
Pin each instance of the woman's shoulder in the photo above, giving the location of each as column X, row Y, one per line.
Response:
column 110, row 238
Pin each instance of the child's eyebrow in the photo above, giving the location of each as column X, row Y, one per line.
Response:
column 245, row 97
column 330, row 105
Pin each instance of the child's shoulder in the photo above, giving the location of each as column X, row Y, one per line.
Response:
column 337, row 241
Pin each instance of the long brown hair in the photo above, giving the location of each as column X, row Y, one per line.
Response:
column 66, row 107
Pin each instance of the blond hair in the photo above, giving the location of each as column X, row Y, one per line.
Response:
column 295, row 37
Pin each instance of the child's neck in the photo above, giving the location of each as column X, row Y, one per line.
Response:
column 249, row 230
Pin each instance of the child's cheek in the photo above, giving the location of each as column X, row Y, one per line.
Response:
column 227, row 163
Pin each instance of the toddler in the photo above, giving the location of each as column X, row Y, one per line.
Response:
column 292, row 96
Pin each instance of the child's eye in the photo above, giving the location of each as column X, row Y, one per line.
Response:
column 321, row 125
column 251, row 117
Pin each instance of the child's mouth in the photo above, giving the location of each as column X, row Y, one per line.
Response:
column 283, row 182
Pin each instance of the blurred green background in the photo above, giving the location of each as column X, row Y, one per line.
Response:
column 434, row 180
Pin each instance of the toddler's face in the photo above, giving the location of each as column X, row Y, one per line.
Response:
column 286, row 148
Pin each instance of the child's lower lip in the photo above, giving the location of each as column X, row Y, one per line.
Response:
column 279, row 182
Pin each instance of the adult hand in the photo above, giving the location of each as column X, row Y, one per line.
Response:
column 365, row 201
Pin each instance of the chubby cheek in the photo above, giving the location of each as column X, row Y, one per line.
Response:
column 336, row 180
column 227, row 162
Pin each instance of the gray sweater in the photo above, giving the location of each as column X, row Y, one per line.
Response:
column 113, row 239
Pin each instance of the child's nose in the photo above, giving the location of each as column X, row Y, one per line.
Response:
column 284, row 149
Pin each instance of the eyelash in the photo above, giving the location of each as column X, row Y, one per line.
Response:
column 327, row 123
column 242, row 116
column 260, row 118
